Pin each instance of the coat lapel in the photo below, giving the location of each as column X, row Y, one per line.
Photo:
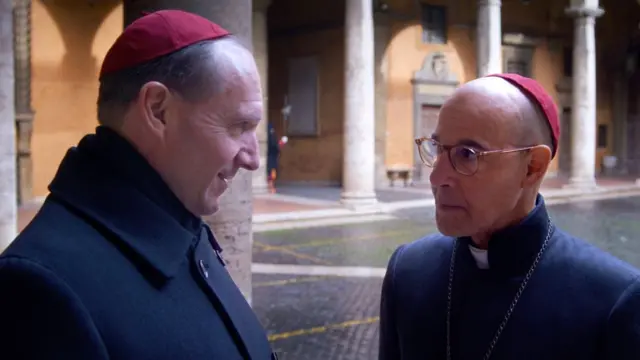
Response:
column 227, row 298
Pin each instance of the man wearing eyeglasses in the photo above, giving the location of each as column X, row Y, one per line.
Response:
column 501, row 281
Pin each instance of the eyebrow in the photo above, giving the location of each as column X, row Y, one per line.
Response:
column 248, row 114
column 465, row 142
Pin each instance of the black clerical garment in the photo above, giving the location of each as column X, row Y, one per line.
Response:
column 114, row 267
column 580, row 302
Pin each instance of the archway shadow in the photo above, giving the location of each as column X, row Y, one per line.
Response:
column 78, row 23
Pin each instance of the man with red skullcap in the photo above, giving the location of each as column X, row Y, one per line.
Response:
column 118, row 263
column 501, row 281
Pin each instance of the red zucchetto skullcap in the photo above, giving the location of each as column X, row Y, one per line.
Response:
column 533, row 90
column 157, row 34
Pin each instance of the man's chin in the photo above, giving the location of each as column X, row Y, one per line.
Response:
column 211, row 209
column 451, row 228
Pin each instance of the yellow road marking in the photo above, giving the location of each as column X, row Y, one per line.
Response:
column 331, row 241
column 324, row 242
column 281, row 249
column 322, row 329
column 290, row 281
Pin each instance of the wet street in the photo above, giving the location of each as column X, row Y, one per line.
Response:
column 334, row 314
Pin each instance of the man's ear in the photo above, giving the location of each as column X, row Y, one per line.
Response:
column 153, row 100
column 539, row 160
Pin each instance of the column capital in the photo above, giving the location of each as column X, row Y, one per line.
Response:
column 489, row 3
column 584, row 11
column 261, row 5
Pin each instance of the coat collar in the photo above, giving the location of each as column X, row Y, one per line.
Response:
column 512, row 250
column 107, row 180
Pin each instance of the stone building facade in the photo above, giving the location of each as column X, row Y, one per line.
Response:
column 411, row 53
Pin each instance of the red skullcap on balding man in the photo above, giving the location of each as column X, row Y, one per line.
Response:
column 536, row 93
column 157, row 34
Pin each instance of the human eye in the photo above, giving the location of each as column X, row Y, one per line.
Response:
column 466, row 153
column 242, row 127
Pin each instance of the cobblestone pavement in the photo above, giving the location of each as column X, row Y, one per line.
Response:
column 319, row 317
column 330, row 317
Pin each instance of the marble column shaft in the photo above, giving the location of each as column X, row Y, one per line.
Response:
column 583, row 111
column 24, row 112
column 232, row 223
column 8, row 186
column 358, row 186
column 489, row 38
column 382, row 35
column 261, row 53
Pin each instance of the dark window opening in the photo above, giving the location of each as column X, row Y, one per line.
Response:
column 602, row 136
column 434, row 24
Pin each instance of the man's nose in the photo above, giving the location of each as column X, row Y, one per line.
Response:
column 249, row 158
column 442, row 172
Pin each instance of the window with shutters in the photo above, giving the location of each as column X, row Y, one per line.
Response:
column 519, row 67
column 434, row 24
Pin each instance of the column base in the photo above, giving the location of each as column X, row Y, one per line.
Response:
column 585, row 184
column 359, row 200
column 638, row 182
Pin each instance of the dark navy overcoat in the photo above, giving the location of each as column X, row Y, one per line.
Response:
column 579, row 303
column 114, row 267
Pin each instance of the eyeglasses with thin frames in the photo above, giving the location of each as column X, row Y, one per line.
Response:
column 464, row 159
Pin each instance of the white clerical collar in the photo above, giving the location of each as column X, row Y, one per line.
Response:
column 481, row 256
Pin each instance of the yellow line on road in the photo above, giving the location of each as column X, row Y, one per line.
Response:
column 290, row 281
column 322, row 329
column 325, row 242
column 284, row 250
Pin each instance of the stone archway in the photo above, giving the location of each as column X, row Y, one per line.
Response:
column 61, row 73
column 432, row 85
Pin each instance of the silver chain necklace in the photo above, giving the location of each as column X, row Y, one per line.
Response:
column 513, row 303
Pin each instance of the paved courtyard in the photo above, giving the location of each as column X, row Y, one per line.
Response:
column 323, row 310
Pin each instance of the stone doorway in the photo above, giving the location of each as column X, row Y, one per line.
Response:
column 564, row 151
column 428, row 123
column 432, row 86
column 428, row 119
column 565, row 101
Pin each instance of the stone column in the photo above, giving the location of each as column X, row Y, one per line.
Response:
column 8, row 193
column 232, row 223
column 260, row 51
column 358, row 184
column 583, row 111
column 382, row 35
column 489, row 38
column 24, row 112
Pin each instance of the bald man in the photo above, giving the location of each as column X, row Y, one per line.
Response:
column 501, row 281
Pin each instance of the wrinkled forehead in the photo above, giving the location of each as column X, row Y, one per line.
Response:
column 478, row 118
